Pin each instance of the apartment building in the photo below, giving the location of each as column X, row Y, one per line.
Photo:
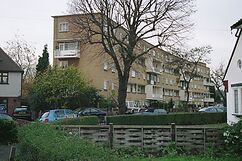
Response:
column 150, row 79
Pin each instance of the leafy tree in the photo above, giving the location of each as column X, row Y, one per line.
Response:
column 23, row 54
column 217, row 76
column 120, row 26
column 43, row 61
column 60, row 88
column 187, row 62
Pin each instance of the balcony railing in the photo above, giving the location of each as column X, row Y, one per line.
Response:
column 153, row 94
column 206, row 83
column 153, row 70
column 208, row 100
column 67, row 53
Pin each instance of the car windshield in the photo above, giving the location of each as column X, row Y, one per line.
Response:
column 59, row 113
column 45, row 115
column 20, row 109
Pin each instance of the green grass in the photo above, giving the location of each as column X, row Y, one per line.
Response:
column 186, row 158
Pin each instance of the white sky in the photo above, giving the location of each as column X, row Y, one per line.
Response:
column 32, row 19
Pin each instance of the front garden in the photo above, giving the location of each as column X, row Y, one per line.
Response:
column 41, row 142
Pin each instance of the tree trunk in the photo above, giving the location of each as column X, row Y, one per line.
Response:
column 187, row 101
column 122, row 92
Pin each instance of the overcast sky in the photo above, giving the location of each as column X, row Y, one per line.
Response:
column 32, row 19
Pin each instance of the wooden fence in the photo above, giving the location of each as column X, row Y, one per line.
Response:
column 149, row 137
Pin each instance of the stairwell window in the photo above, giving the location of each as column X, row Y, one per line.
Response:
column 63, row 27
column 3, row 78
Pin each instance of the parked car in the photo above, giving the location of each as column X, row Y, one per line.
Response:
column 153, row 111
column 57, row 114
column 22, row 112
column 211, row 109
column 92, row 111
column 3, row 108
column 5, row 117
column 224, row 109
column 9, row 118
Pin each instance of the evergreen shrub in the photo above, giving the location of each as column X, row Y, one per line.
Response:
column 177, row 118
column 8, row 132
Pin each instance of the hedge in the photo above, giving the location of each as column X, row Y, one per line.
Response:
column 41, row 142
column 8, row 132
column 84, row 120
column 179, row 119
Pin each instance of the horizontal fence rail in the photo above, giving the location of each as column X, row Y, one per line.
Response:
column 149, row 137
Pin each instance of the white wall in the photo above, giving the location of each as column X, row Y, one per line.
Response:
column 234, row 75
column 13, row 88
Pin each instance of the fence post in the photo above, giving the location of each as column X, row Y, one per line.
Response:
column 204, row 140
column 173, row 132
column 110, row 135
column 12, row 153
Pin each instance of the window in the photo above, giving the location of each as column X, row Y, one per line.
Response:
column 236, row 104
column 133, row 73
column 113, row 86
column 128, row 88
column 239, row 64
column 105, row 66
column 105, row 85
column 63, row 64
column 63, row 27
column 141, row 89
column 133, row 88
column 67, row 46
column 3, row 78
column 113, row 68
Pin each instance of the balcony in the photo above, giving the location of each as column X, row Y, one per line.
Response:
column 153, row 70
column 208, row 100
column 66, row 54
column 153, row 93
column 206, row 83
column 182, row 95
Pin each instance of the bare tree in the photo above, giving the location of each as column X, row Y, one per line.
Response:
column 23, row 54
column 187, row 62
column 121, row 26
column 217, row 78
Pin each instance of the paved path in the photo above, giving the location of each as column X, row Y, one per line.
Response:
column 4, row 152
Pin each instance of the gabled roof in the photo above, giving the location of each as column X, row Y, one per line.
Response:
column 7, row 64
column 237, row 25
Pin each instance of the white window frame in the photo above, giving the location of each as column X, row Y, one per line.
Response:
column 129, row 88
column 133, row 73
column 105, row 85
column 236, row 101
column 113, row 68
column 105, row 66
column 63, row 27
column 64, row 46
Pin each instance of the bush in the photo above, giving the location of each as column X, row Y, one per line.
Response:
column 8, row 132
column 40, row 142
column 84, row 120
column 179, row 119
column 233, row 138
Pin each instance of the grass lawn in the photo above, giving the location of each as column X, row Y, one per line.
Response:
column 185, row 158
